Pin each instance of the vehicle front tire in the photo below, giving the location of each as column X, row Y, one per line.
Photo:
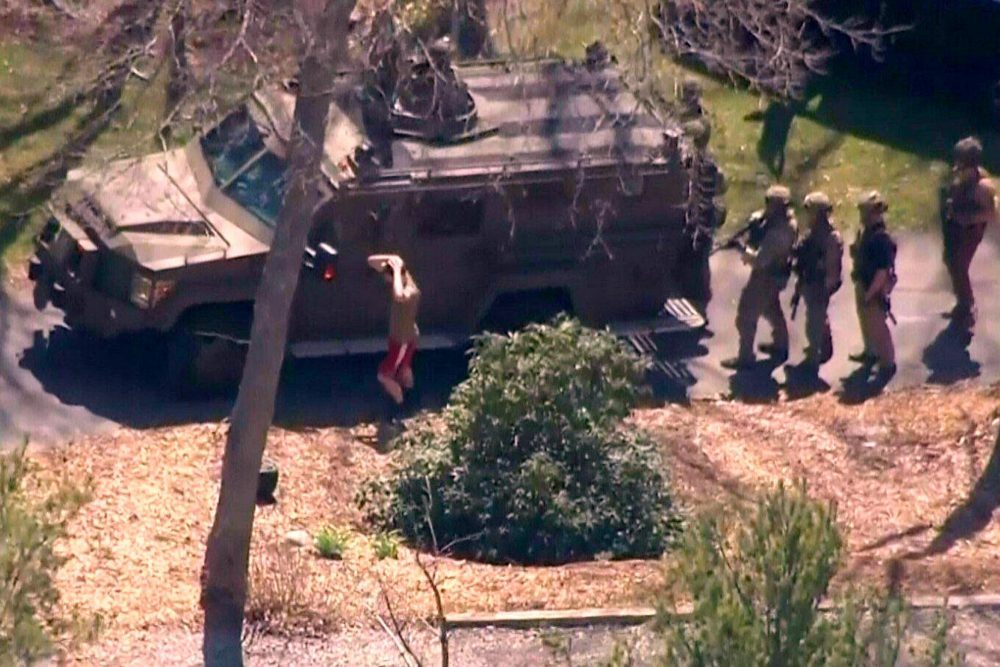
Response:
column 199, row 366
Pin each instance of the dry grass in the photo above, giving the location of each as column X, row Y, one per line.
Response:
column 900, row 463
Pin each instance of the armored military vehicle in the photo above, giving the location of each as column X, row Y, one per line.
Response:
column 512, row 191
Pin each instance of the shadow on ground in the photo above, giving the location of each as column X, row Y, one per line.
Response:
column 966, row 520
column 877, row 109
column 947, row 358
column 117, row 381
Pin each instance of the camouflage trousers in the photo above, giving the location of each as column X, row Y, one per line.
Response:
column 873, row 318
column 818, row 333
column 760, row 298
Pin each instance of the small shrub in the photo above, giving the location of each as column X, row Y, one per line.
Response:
column 332, row 542
column 386, row 545
column 530, row 462
column 756, row 583
column 279, row 598
column 34, row 516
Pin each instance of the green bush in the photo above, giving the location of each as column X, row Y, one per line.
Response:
column 33, row 519
column 386, row 545
column 332, row 542
column 530, row 461
column 756, row 583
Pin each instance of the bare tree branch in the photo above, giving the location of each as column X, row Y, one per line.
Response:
column 775, row 46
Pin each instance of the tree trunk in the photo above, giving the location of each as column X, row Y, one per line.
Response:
column 224, row 574
column 180, row 70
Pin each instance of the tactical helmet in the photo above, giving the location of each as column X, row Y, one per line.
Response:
column 968, row 151
column 818, row 201
column 778, row 193
column 873, row 200
column 690, row 89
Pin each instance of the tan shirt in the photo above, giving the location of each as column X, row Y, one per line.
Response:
column 820, row 259
column 403, row 315
column 833, row 258
column 973, row 204
column 776, row 246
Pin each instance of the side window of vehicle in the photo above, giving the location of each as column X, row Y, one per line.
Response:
column 450, row 217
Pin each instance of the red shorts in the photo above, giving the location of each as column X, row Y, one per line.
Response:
column 399, row 358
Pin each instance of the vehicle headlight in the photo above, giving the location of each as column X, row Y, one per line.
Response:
column 140, row 292
column 162, row 289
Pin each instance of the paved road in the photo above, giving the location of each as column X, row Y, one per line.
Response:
column 928, row 350
column 55, row 384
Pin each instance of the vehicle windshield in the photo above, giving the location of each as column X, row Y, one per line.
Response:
column 244, row 168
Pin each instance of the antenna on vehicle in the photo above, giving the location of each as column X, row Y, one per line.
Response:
column 195, row 206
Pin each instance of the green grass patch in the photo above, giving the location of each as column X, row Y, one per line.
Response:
column 30, row 130
column 850, row 137
column 34, row 126
column 332, row 542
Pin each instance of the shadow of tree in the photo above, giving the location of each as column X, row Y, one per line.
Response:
column 896, row 536
column 975, row 513
column 38, row 121
column 860, row 105
column 964, row 522
column 867, row 108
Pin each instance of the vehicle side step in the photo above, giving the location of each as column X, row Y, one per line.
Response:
column 373, row 345
column 685, row 312
column 677, row 316
column 671, row 370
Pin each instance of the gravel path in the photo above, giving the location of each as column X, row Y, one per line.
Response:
column 975, row 633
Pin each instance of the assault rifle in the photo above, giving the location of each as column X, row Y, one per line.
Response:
column 796, row 297
column 748, row 235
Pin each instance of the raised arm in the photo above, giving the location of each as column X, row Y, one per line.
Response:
column 398, row 282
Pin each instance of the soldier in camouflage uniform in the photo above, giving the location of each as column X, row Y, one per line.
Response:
column 817, row 265
column 970, row 207
column 770, row 264
column 705, row 213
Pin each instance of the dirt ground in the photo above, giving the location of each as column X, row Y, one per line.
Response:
column 901, row 468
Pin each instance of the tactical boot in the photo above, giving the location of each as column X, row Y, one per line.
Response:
column 808, row 370
column 962, row 315
column 866, row 358
column 776, row 353
column 739, row 363
column 884, row 373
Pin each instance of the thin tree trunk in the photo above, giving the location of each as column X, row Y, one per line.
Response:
column 180, row 70
column 224, row 575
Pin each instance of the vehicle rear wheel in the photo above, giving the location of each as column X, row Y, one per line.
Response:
column 198, row 365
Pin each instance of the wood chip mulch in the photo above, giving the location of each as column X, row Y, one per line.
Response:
column 897, row 468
